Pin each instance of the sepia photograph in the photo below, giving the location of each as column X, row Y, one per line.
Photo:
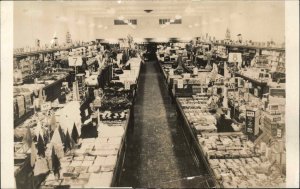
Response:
column 149, row 94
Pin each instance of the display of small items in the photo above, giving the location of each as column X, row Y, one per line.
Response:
column 108, row 115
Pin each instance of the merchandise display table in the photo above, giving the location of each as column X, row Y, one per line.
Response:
column 236, row 162
column 98, row 161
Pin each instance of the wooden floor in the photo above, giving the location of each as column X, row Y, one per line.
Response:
column 157, row 154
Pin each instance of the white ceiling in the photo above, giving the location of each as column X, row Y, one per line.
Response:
column 116, row 8
column 257, row 20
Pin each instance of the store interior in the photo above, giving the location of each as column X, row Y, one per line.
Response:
column 166, row 94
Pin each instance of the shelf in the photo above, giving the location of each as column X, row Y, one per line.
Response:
column 18, row 55
column 248, row 46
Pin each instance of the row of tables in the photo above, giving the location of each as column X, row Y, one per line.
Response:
column 109, row 128
column 193, row 138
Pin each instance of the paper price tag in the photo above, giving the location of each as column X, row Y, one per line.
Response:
column 180, row 83
column 279, row 133
column 127, row 85
column 46, row 106
column 195, row 71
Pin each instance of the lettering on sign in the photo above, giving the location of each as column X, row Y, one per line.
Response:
column 250, row 122
column 75, row 61
column 127, row 85
column 279, row 133
column 195, row 71
column 180, row 83
column 46, row 106
column 250, row 114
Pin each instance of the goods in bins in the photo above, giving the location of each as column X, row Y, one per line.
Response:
column 115, row 102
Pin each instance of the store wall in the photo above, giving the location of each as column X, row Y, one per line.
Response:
column 148, row 27
column 36, row 21
column 257, row 21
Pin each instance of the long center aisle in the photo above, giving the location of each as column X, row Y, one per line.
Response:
column 157, row 154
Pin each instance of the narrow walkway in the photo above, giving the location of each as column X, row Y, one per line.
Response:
column 157, row 153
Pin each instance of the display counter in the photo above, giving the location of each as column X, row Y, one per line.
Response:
column 237, row 163
column 98, row 161
column 190, row 134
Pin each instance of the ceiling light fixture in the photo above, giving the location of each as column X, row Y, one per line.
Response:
column 99, row 26
column 148, row 10
column 119, row 1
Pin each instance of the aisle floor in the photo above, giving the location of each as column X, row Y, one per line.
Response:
column 157, row 154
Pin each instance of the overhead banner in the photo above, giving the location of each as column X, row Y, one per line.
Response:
column 235, row 57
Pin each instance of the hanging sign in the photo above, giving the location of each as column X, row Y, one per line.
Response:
column 235, row 57
column 75, row 61
column 180, row 83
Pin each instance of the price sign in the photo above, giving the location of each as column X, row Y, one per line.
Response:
column 75, row 61
column 279, row 133
column 195, row 71
column 180, row 83
column 250, row 122
column 127, row 85
column 235, row 57
column 46, row 106
column 171, row 71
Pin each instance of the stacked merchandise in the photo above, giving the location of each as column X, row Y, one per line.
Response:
column 21, row 105
column 91, row 61
column 196, row 111
column 26, row 66
column 257, row 74
column 115, row 102
column 81, row 85
column 236, row 145
column 93, row 164
column 130, row 76
column 236, row 163
column 253, row 172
